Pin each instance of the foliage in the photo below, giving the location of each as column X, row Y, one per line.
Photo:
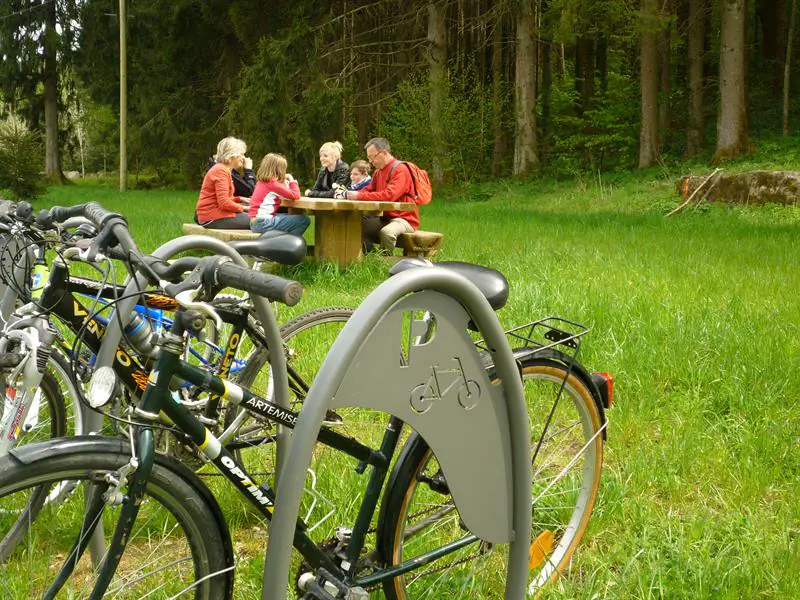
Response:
column 93, row 140
column 284, row 107
column 466, row 117
column 22, row 33
column 605, row 138
column 21, row 159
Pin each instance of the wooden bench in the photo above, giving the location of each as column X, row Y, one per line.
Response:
column 226, row 235
column 422, row 244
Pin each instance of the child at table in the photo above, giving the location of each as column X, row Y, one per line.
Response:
column 359, row 175
column 274, row 184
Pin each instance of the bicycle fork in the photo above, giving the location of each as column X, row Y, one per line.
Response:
column 21, row 388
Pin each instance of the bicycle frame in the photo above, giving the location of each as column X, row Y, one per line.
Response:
column 158, row 400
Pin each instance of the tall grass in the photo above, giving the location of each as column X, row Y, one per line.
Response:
column 696, row 315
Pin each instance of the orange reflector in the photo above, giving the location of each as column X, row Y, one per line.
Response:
column 541, row 548
column 609, row 387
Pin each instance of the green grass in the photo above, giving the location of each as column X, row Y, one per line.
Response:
column 698, row 318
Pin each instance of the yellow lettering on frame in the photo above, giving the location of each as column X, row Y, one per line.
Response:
column 123, row 358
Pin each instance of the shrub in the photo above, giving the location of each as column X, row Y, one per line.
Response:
column 21, row 159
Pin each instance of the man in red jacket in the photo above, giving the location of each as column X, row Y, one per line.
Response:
column 390, row 183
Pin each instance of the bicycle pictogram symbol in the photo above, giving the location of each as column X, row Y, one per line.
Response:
column 425, row 394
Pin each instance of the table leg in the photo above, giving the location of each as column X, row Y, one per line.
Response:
column 337, row 236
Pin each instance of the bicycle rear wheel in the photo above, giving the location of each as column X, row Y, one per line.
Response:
column 418, row 514
column 178, row 546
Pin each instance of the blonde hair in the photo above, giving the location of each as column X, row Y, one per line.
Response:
column 228, row 148
column 361, row 166
column 273, row 166
column 332, row 148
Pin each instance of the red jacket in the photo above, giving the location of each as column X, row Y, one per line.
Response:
column 216, row 196
column 392, row 186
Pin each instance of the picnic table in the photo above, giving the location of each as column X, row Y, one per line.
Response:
column 337, row 224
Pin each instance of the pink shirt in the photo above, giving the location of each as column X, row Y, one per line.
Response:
column 267, row 196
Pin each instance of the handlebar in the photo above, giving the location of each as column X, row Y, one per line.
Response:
column 213, row 271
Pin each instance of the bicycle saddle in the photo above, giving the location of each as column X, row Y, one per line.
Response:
column 492, row 284
column 277, row 246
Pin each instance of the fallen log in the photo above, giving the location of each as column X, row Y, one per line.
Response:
column 749, row 187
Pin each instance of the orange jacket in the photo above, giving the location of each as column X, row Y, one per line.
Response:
column 216, row 196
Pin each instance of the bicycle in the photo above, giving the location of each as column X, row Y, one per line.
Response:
column 73, row 314
column 109, row 464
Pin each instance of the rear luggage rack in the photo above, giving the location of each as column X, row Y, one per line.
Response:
column 545, row 333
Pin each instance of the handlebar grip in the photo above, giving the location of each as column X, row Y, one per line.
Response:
column 58, row 214
column 271, row 287
column 99, row 215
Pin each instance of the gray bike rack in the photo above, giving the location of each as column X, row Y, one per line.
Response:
column 113, row 334
column 479, row 431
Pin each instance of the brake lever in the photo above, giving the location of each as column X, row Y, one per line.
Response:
column 186, row 299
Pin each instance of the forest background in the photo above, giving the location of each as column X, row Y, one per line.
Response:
column 470, row 89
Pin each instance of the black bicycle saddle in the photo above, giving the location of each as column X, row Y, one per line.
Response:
column 277, row 246
column 492, row 283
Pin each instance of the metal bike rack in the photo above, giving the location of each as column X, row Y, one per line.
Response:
column 113, row 334
column 478, row 430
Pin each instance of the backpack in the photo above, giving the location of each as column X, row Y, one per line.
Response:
column 423, row 193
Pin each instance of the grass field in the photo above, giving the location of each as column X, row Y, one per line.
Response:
column 698, row 318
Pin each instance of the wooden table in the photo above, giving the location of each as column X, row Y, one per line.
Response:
column 337, row 224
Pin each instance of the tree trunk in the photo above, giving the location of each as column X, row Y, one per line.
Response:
column 525, row 158
column 584, row 72
column 498, row 95
column 648, row 134
column 772, row 21
column 787, row 69
column 546, row 93
column 732, row 119
column 695, row 133
column 665, row 73
column 52, row 165
column 437, row 61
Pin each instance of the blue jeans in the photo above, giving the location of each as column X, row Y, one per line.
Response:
column 295, row 224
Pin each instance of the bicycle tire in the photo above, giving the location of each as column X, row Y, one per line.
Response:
column 305, row 373
column 560, row 516
column 60, row 367
column 179, row 536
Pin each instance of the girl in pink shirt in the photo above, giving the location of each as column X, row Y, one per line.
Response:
column 274, row 184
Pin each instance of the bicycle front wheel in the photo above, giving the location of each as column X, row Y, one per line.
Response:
column 178, row 546
column 419, row 516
